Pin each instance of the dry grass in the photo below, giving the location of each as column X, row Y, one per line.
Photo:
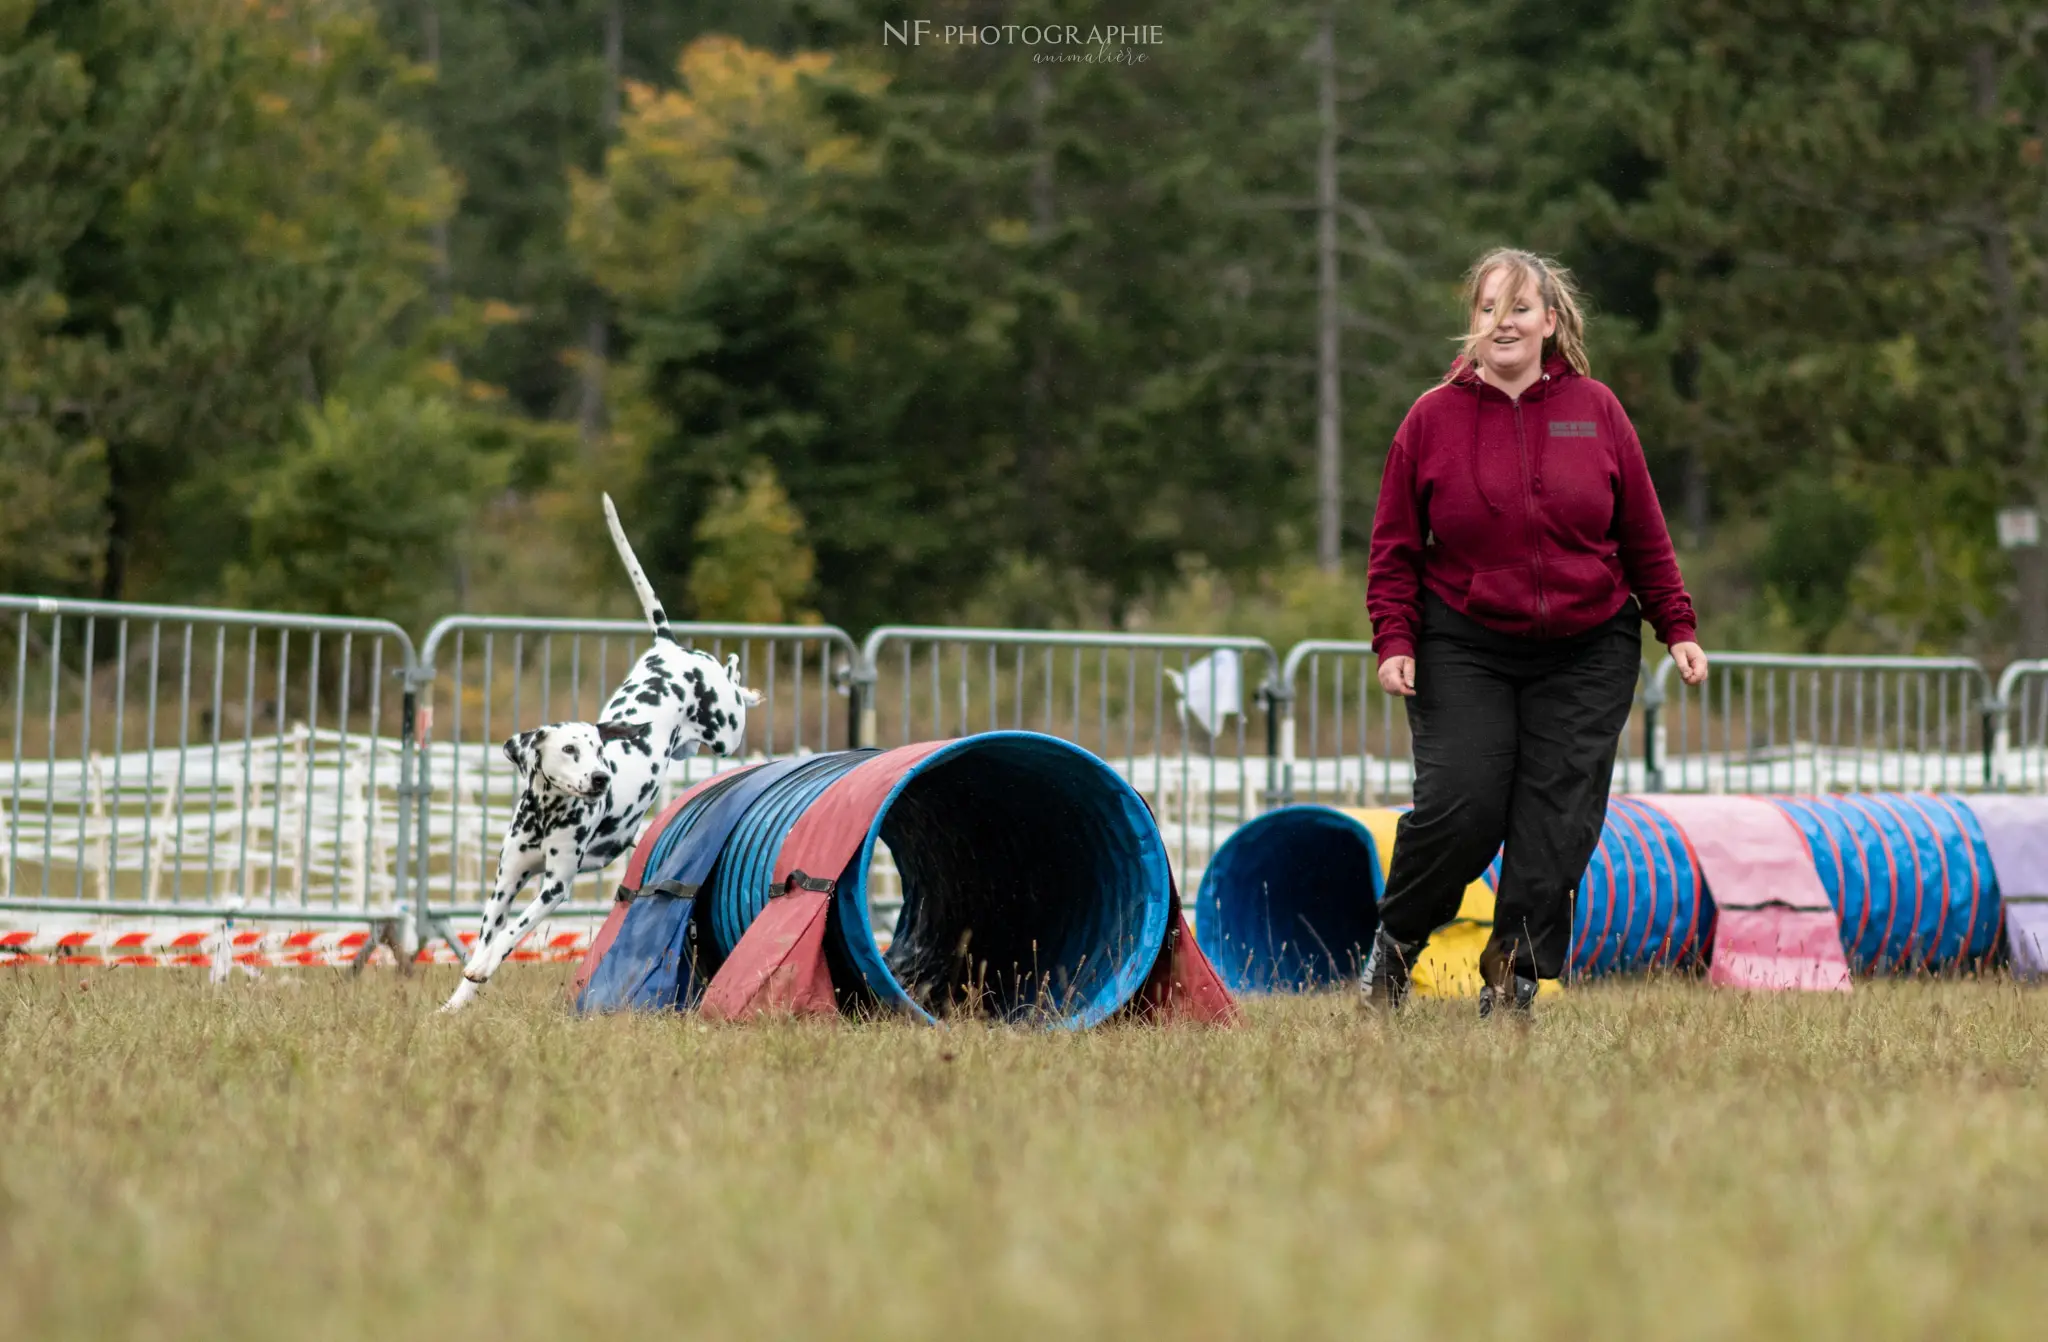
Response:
column 320, row 1158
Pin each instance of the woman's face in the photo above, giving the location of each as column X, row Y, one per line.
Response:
column 1514, row 349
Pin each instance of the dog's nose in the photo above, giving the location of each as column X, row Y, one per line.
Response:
column 600, row 778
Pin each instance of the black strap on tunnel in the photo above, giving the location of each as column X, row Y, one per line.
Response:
column 686, row 869
column 799, row 880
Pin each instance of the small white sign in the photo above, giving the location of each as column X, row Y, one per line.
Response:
column 1210, row 692
column 2018, row 527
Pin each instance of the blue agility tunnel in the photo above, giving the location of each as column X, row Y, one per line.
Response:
column 672, row 934
column 1284, row 904
column 1035, row 882
column 1909, row 875
column 1289, row 903
column 1643, row 904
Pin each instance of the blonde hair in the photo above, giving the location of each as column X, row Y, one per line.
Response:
column 1553, row 285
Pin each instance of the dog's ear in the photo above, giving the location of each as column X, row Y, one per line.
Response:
column 751, row 698
column 524, row 751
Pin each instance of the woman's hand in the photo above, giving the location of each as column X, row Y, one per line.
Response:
column 1397, row 675
column 1691, row 659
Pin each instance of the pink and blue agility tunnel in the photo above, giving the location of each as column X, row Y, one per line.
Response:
column 1909, row 874
column 1035, row 882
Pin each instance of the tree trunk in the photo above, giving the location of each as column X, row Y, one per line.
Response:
column 1994, row 240
column 1037, row 445
column 1695, row 498
column 1329, row 316
column 590, row 409
column 120, row 525
column 444, row 269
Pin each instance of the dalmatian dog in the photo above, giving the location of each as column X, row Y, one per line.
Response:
column 587, row 786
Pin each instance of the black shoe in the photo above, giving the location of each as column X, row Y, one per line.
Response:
column 1523, row 1001
column 1384, row 978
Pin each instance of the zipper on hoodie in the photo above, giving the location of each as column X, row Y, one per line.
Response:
column 1535, row 533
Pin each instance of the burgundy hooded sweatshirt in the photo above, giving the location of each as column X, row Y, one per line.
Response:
column 1535, row 517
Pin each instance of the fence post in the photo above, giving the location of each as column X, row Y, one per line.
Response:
column 860, row 707
column 1995, row 730
column 426, row 925
column 404, row 939
column 1279, row 696
column 1653, row 712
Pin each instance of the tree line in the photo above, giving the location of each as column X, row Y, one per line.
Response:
column 353, row 305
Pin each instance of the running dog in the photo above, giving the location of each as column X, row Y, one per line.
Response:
column 586, row 786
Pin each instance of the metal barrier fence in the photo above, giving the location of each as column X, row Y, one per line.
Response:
column 1344, row 741
column 504, row 674
column 2021, row 742
column 1341, row 738
column 1167, row 711
column 176, row 761
column 1767, row 723
column 216, row 763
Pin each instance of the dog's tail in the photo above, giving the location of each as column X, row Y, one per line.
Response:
column 656, row 616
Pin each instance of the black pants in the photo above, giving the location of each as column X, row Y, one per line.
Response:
column 1514, row 742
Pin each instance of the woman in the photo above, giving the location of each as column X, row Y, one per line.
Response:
column 1517, row 548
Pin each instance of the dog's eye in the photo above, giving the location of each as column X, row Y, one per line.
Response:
column 572, row 752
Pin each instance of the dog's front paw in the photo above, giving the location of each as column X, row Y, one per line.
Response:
column 464, row 994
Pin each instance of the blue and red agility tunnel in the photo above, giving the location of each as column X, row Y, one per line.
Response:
column 1908, row 874
column 1643, row 904
column 1035, row 887
column 1811, row 887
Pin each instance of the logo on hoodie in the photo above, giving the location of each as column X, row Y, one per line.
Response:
column 1573, row 428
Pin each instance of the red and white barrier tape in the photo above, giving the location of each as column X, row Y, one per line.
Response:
column 182, row 944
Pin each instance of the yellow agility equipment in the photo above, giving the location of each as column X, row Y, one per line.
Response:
column 1290, row 903
column 1449, row 964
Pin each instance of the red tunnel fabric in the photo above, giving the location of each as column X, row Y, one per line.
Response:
column 779, row 963
column 636, row 870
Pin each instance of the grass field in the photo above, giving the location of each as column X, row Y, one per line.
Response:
column 312, row 1157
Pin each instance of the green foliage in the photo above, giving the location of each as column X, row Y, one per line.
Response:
column 213, row 218
column 1847, row 212
column 1017, row 342
column 1931, row 583
column 515, row 103
column 991, row 314
column 1282, row 605
column 347, row 521
column 752, row 564
column 1818, row 534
